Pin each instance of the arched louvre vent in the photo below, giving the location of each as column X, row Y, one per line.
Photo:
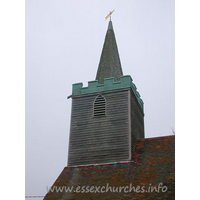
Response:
column 99, row 106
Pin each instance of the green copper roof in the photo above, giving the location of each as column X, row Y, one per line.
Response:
column 109, row 85
column 109, row 65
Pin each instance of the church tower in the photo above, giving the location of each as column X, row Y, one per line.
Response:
column 107, row 116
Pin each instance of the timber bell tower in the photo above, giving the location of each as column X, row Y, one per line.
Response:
column 107, row 116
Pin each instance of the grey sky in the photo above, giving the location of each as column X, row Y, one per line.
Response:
column 64, row 40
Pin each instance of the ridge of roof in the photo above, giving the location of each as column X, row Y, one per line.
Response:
column 100, row 164
column 155, row 137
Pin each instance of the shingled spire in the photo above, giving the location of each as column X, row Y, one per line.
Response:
column 109, row 65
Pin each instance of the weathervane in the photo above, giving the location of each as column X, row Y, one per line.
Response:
column 109, row 15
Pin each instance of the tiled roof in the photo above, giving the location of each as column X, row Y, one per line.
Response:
column 153, row 165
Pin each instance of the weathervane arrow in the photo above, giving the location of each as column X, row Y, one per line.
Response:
column 109, row 15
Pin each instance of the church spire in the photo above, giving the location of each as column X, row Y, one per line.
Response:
column 109, row 65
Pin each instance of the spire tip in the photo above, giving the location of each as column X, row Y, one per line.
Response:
column 110, row 26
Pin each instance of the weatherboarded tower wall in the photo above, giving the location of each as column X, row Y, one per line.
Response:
column 105, row 131
column 99, row 139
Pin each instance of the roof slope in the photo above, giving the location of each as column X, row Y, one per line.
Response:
column 109, row 65
column 152, row 166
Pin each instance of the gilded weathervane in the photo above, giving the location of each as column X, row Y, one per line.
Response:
column 109, row 15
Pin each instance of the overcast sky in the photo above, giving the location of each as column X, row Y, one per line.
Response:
column 64, row 40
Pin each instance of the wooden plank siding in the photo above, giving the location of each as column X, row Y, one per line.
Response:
column 109, row 138
column 99, row 139
column 137, row 121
